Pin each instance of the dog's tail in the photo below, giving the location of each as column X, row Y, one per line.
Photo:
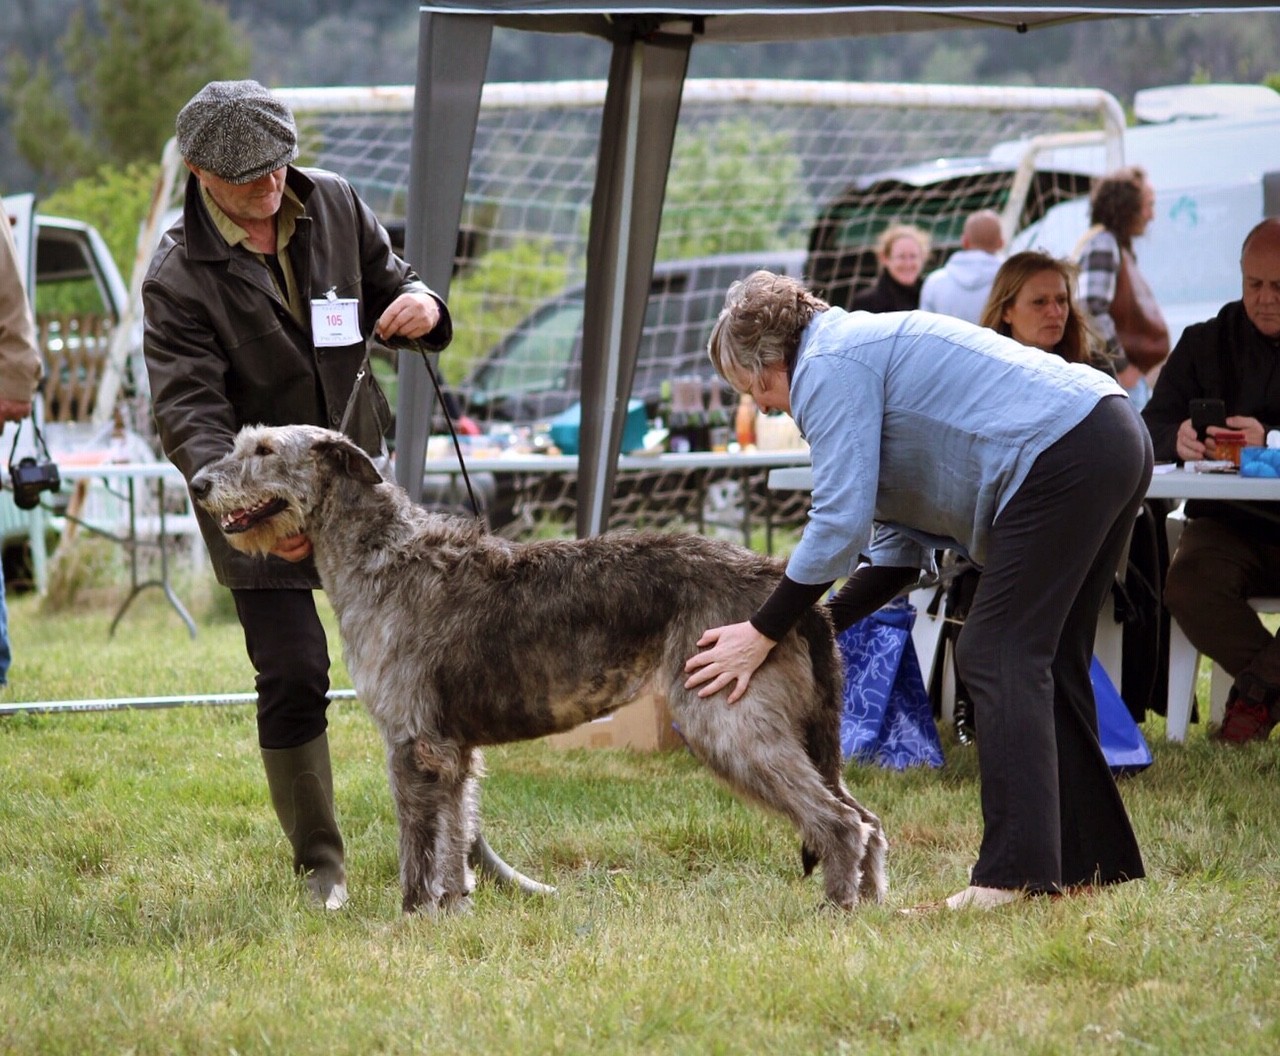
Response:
column 822, row 731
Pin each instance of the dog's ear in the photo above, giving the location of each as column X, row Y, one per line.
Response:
column 349, row 457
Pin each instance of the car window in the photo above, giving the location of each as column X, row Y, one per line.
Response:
column 68, row 277
column 536, row 359
column 537, row 370
column 705, row 304
column 663, row 319
column 842, row 257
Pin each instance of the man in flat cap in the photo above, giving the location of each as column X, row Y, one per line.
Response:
column 258, row 304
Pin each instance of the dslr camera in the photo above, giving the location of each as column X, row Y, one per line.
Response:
column 30, row 478
column 31, row 475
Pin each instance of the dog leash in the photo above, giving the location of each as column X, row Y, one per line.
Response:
column 415, row 345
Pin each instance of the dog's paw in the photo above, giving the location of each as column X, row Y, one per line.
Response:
column 445, row 906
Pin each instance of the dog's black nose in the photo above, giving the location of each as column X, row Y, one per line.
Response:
column 201, row 485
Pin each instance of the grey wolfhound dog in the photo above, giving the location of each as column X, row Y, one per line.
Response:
column 456, row 639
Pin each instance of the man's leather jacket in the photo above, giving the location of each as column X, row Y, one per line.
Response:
column 223, row 351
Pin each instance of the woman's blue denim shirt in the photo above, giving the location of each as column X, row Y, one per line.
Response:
column 921, row 428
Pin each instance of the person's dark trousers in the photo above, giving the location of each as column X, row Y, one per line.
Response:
column 1052, row 815
column 1214, row 572
column 288, row 648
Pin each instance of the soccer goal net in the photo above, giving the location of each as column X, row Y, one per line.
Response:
column 798, row 176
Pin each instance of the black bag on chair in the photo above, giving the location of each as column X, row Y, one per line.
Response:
column 956, row 597
column 1144, row 679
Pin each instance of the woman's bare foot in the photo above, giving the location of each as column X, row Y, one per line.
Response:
column 985, row 897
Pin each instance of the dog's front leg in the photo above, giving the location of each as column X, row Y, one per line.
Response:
column 433, row 793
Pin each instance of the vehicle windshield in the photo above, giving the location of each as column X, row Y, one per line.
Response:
column 536, row 358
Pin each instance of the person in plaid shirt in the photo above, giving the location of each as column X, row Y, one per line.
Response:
column 1112, row 289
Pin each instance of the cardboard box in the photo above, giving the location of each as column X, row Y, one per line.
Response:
column 644, row 725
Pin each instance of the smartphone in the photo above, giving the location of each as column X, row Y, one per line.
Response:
column 1205, row 413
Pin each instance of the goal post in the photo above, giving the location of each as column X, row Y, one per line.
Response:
column 755, row 164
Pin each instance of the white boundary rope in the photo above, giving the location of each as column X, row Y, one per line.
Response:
column 43, row 707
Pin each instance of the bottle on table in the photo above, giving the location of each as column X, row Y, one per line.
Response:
column 744, row 421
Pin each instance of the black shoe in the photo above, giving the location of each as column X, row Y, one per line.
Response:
column 966, row 733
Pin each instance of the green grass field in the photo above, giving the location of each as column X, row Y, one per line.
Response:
column 147, row 906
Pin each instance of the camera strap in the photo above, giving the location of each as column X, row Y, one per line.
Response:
column 42, row 449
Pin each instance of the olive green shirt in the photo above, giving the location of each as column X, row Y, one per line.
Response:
column 291, row 208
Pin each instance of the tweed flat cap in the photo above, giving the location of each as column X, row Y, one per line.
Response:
column 237, row 130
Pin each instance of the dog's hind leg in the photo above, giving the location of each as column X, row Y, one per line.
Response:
column 766, row 764
column 873, row 881
column 435, row 810
column 830, row 829
column 874, row 884
column 822, row 743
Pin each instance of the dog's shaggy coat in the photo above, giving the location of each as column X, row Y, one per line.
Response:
column 456, row 639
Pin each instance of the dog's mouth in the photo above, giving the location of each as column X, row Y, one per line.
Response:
column 238, row 521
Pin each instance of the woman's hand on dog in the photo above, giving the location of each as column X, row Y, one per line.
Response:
column 735, row 652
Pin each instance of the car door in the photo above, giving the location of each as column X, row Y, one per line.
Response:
column 20, row 210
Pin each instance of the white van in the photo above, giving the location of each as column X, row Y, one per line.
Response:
column 1214, row 162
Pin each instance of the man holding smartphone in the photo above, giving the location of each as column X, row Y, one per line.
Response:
column 1229, row 551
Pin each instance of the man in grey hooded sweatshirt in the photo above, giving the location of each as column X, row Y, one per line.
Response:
column 961, row 286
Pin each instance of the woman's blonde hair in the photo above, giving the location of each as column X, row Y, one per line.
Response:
column 893, row 232
column 759, row 326
column 1014, row 273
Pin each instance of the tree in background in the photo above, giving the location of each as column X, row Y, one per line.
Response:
column 114, row 200
column 733, row 188
column 133, row 65
column 42, row 124
column 483, row 292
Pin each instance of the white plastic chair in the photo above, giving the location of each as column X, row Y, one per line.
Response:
column 1184, row 665
column 932, row 651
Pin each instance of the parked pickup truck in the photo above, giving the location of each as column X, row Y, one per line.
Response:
column 79, row 298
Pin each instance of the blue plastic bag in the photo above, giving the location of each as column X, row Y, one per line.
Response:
column 887, row 717
column 1122, row 742
column 1260, row 462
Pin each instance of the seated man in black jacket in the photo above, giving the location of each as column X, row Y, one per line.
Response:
column 1229, row 551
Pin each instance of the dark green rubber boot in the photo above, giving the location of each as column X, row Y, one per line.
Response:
column 301, row 784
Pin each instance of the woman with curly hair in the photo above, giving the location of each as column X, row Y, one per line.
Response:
column 927, row 433
column 1113, row 290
